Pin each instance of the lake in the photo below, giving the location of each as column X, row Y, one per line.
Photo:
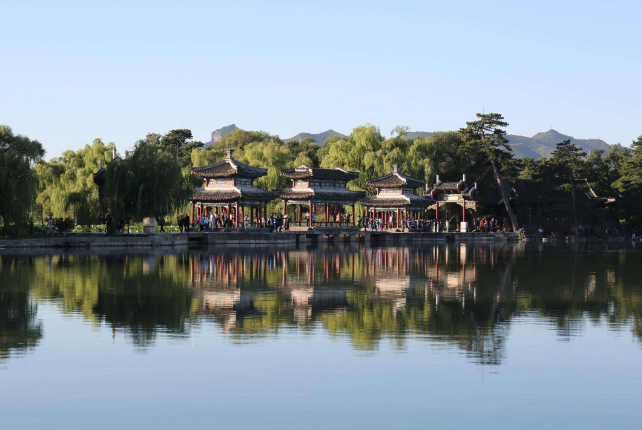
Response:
column 525, row 336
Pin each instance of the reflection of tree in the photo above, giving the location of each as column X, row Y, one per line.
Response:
column 19, row 329
column 464, row 296
column 139, row 294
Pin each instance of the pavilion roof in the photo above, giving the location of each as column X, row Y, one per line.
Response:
column 396, row 201
column 210, row 194
column 321, row 194
column 303, row 172
column 446, row 186
column 396, row 180
column 229, row 167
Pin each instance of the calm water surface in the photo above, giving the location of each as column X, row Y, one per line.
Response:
column 457, row 336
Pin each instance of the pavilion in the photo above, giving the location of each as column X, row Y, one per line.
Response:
column 395, row 196
column 312, row 187
column 454, row 192
column 229, row 190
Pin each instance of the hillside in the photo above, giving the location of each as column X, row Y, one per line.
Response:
column 319, row 138
column 412, row 135
column 543, row 144
column 540, row 145
column 219, row 133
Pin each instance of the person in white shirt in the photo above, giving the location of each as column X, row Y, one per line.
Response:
column 50, row 226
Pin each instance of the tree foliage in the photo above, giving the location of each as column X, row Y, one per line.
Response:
column 148, row 182
column 66, row 186
column 178, row 142
column 18, row 182
column 154, row 178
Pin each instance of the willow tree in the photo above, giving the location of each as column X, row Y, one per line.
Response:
column 147, row 182
column 361, row 152
column 487, row 137
column 66, row 186
column 18, row 182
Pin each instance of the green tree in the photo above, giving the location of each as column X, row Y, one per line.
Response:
column 306, row 152
column 66, row 186
column 486, row 136
column 630, row 184
column 147, row 182
column 178, row 142
column 361, row 152
column 568, row 158
column 18, row 182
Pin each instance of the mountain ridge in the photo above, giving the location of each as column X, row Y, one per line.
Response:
column 319, row 138
column 541, row 144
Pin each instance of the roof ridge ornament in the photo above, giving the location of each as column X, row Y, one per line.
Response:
column 229, row 158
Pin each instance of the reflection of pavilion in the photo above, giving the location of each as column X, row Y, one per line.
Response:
column 393, row 291
column 451, row 278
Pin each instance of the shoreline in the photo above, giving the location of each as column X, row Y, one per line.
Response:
column 248, row 238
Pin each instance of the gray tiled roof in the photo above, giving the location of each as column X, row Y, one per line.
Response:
column 303, row 172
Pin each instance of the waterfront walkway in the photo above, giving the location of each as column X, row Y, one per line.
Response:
column 252, row 236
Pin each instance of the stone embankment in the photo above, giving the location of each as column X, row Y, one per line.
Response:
column 251, row 237
column 98, row 241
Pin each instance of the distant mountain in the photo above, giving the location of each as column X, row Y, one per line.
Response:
column 412, row 135
column 543, row 144
column 540, row 145
column 319, row 138
column 219, row 133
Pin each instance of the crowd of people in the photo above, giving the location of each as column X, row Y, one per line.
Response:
column 490, row 226
column 276, row 223
column 411, row 224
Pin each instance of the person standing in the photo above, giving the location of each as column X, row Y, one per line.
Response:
column 50, row 226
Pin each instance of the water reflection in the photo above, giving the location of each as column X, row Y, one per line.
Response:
column 19, row 328
column 459, row 296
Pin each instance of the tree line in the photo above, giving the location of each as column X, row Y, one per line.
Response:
column 153, row 179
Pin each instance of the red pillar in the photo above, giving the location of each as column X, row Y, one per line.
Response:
column 192, row 207
column 298, row 213
column 310, row 213
column 354, row 216
column 397, row 218
column 326, row 214
column 236, row 214
column 285, row 207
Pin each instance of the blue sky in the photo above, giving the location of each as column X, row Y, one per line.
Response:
column 71, row 71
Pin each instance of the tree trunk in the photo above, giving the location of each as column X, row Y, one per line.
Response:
column 505, row 197
column 573, row 194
